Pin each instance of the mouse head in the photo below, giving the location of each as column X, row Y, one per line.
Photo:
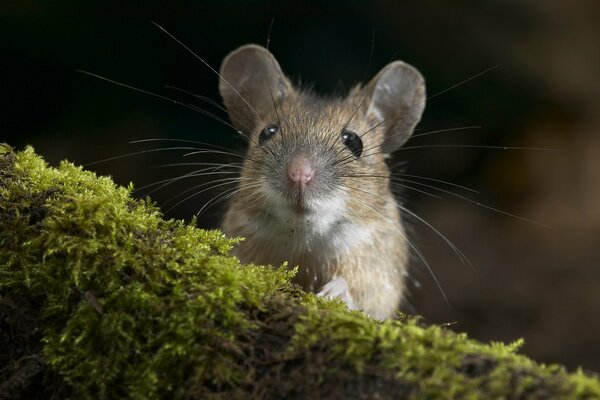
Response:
column 316, row 157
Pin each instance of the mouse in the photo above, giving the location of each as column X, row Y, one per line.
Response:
column 314, row 190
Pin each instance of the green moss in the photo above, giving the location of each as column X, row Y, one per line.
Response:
column 102, row 297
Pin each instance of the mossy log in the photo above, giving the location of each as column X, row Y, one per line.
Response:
column 101, row 297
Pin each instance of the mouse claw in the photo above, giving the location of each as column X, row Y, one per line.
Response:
column 337, row 288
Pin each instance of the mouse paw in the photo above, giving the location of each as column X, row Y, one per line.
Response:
column 337, row 288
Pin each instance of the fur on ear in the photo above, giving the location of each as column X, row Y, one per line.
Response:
column 251, row 83
column 397, row 100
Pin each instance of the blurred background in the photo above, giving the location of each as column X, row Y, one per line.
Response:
column 538, row 282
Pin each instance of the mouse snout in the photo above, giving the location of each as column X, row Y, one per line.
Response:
column 300, row 172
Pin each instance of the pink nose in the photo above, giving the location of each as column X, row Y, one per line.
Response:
column 300, row 171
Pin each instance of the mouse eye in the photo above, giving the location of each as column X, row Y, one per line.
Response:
column 267, row 133
column 353, row 142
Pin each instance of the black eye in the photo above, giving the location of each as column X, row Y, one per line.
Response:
column 267, row 133
column 353, row 142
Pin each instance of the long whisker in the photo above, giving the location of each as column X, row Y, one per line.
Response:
column 372, row 128
column 269, row 34
column 351, row 157
column 276, row 113
column 445, row 130
column 137, row 153
column 412, row 246
column 228, row 193
column 211, row 115
column 227, row 153
column 216, row 166
column 456, row 250
column 417, row 190
column 456, row 185
column 210, row 67
column 468, row 146
column 221, row 196
column 225, row 181
column 175, row 140
column 394, row 175
column 465, row 146
column 477, row 203
column 165, row 182
column 158, row 96
column 213, row 199
column 209, row 101
column 355, row 110
column 198, row 96
column 457, row 85
column 370, row 55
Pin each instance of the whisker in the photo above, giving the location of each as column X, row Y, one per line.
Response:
column 178, row 140
column 454, row 248
column 244, row 157
column 371, row 53
column 138, row 153
column 216, row 166
column 469, row 146
column 456, row 185
column 394, row 175
column 192, row 164
column 466, row 146
column 210, row 67
column 213, row 116
column 269, row 34
column 350, row 156
column 461, row 128
column 374, row 127
column 207, row 100
column 415, row 249
column 158, row 96
column 193, row 174
column 457, row 85
column 478, row 203
column 211, row 151
column 225, row 181
column 227, row 194
column 415, row 189
column 198, row 96
column 221, row 196
column 276, row 113
column 355, row 111
column 227, row 191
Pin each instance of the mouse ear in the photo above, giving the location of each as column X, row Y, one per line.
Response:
column 251, row 83
column 397, row 102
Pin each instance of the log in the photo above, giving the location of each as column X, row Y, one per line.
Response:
column 102, row 297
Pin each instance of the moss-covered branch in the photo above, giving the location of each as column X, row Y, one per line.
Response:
column 102, row 297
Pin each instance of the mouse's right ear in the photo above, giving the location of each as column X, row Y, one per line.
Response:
column 251, row 84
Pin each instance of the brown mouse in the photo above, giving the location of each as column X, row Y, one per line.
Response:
column 315, row 189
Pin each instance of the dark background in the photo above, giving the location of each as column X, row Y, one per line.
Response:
column 539, row 283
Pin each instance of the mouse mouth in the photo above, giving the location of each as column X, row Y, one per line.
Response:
column 299, row 204
column 300, row 209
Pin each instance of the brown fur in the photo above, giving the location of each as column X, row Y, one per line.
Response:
column 353, row 228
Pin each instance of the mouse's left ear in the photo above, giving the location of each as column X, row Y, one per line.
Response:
column 397, row 100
